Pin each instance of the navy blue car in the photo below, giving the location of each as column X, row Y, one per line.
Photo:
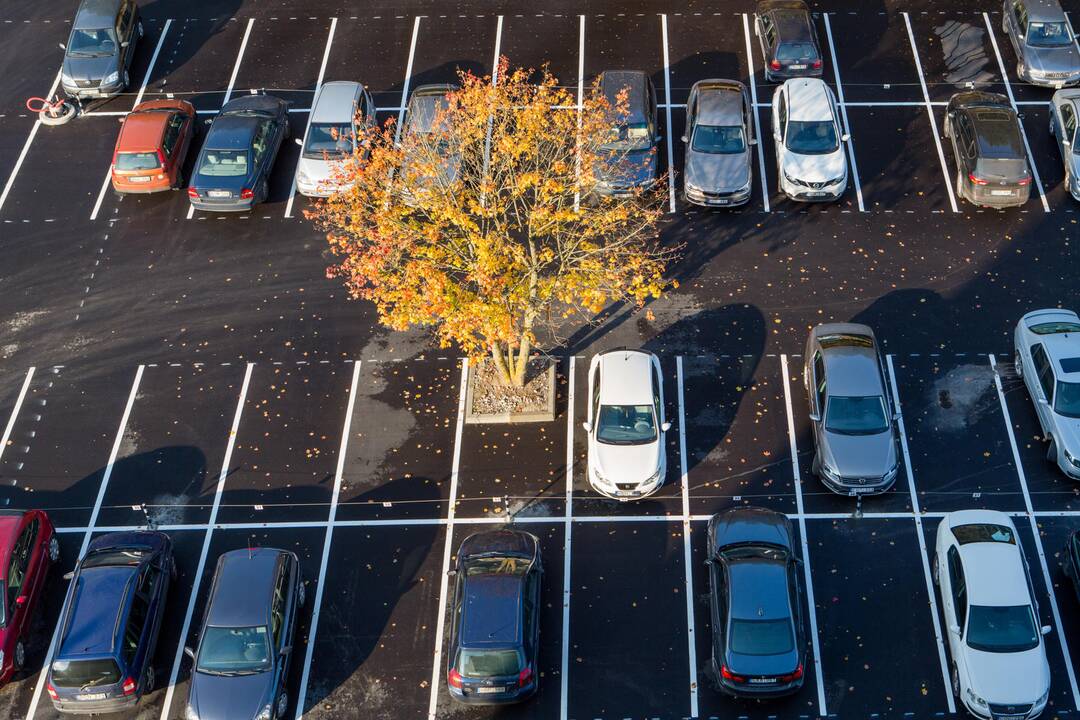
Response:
column 495, row 632
column 110, row 623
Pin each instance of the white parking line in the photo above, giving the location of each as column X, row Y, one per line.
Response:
column 1059, row 628
column 667, row 135
column 691, row 638
column 757, row 121
column 321, row 585
column 26, row 147
column 808, row 579
column 448, row 549
column 580, row 100
column 408, row 77
column 89, row 531
column 201, row 566
column 138, row 99
column 937, row 137
column 318, row 85
column 1012, row 101
column 843, row 113
column 568, row 527
column 15, row 411
column 494, row 83
column 923, row 552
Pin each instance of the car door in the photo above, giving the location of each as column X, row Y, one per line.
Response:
column 135, row 650
column 652, row 109
column 1065, row 130
column 691, row 112
column 594, row 392
column 1044, row 387
column 151, row 588
column 532, row 616
column 1017, row 17
column 954, row 601
column 780, row 114
column 260, row 148
column 20, row 581
column 817, row 395
column 748, row 118
column 125, row 33
column 173, row 144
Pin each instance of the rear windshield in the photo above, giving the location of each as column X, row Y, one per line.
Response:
column 998, row 134
column 92, row 43
column 856, row 415
column 1067, row 399
column 719, row 139
column 1053, row 328
column 630, row 136
column 1048, row 34
column 328, row 139
column 1002, row 629
column 497, row 565
column 1008, row 170
column 225, row 163
column 488, row 663
column 761, row 637
column 137, row 161
column 234, row 650
column 814, row 137
column 794, row 52
column 984, row 532
column 85, row 673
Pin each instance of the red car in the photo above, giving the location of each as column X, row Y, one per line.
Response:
column 155, row 139
column 28, row 547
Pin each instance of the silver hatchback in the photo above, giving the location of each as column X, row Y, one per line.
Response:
column 851, row 413
column 1043, row 39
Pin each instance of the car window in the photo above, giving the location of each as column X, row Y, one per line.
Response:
column 84, row 673
column 781, row 115
column 626, row 424
column 1068, row 121
column 262, row 135
column 596, row 393
column 1021, row 13
column 1053, row 328
column 1048, row 34
column 812, row 137
column 20, row 561
column 819, row 380
column 1043, row 371
column 497, row 565
column 234, row 650
column 998, row 134
column 965, row 135
column 134, row 629
column 761, row 637
column 1067, row 399
column 1002, row 629
column 149, row 581
column 770, row 30
column 123, row 20
column 958, row 587
column 277, row 607
column 488, row 663
column 984, row 532
column 172, row 133
column 795, row 51
column 852, row 415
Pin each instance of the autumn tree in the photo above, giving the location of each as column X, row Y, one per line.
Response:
column 480, row 217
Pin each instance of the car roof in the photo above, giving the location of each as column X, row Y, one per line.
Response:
column 95, row 610
column 994, row 574
column 1044, row 11
column 232, row 132
column 851, row 369
column 492, row 610
column 625, row 378
column 720, row 105
column 758, row 589
column 96, row 14
column 243, row 587
column 613, row 81
column 792, row 20
column 808, row 99
column 142, row 131
column 335, row 103
column 1063, row 346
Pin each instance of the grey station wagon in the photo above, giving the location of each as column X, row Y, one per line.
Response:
column 719, row 133
column 789, row 42
column 1043, row 40
column 991, row 162
column 100, row 49
column 850, row 411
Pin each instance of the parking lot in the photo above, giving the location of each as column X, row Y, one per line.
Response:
column 197, row 372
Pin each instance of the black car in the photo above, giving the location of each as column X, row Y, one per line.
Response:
column 100, row 49
column 233, row 169
column 112, row 614
column 632, row 157
column 495, row 630
column 246, row 641
column 758, row 638
column 789, row 42
column 991, row 162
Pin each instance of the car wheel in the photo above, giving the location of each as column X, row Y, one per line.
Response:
column 959, row 185
column 815, row 466
column 19, row 658
column 1018, row 365
column 301, row 595
column 1051, row 452
column 148, row 682
column 955, row 681
column 282, row 705
column 288, row 128
column 1005, row 25
column 934, row 571
column 139, row 29
column 264, row 193
column 127, row 78
column 1050, row 125
column 54, row 549
column 947, row 130
column 172, row 569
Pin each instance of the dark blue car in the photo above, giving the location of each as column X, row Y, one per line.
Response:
column 495, row 632
column 110, row 623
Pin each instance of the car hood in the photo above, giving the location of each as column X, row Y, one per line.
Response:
column 1068, row 432
column 716, row 172
column 815, row 168
column 629, row 169
column 90, row 69
column 859, row 455
column 316, row 169
column 1008, row 678
column 1058, row 59
column 627, row 463
column 216, row 697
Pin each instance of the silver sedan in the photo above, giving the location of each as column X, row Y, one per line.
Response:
column 719, row 133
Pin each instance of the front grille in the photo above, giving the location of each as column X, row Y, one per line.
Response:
column 815, row 185
column 86, row 83
column 626, row 486
column 1009, row 712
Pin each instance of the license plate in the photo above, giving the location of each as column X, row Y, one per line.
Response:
column 860, row 491
column 1011, row 717
column 817, row 193
column 92, row 696
column 1002, row 192
column 796, row 67
column 219, row 193
column 625, row 493
column 139, row 178
column 714, row 201
column 762, row 681
column 490, row 690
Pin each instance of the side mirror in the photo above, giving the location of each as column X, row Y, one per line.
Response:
column 896, row 416
column 1044, row 402
column 955, row 630
column 666, row 426
column 710, row 561
column 845, row 137
column 21, row 600
column 125, row 43
column 451, row 573
column 657, row 138
column 814, row 417
column 189, row 652
column 1045, row 629
column 208, row 121
column 753, row 141
column 62, row 46
column 299, row 141
column 587, row 426
column 684, row 139
column 70, row 574
column 1066, row 143
column 286, row 650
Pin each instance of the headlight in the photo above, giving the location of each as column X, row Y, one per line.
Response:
column 1072, row 460
column 830, row 473
column 789, row 178
column 1044, row 697
column 892, row 473
column 655, row 477
column 111, row 78
column 190, row 713
column 975, row 698
column 302, row 177
column 265, row 714
column 599, row 475
column 66, row 79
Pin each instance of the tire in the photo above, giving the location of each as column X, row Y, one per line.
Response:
column 19, row 657
column 959, row 186
column 172, row 570
column 1051, row 452
column 934, row 573
column 955, row 675
column 282, row 706
column 1018, row 365
column 264, row 193
column 288, row 128
column 301, row 598
column 54, row 549
column 139, row 29
column 815, row 466
column 947, row 130
column 179, row 184
column 148, row 681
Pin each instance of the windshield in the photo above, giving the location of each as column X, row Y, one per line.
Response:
column 129, row 556
column 497, row 565
column 856, row 415
column 631, row 136
column 92, row 43
column 1048, row 34
column 239, row 650
column 1067, row 399
column 85, row 673
column 793, row 52
column 817, row 137
column 719, row 139
column 626, row 424
column 1002, row 629
column 488, row 663
column 224, row 163
column 761, row 637
column 328, row 139
column 137, row 161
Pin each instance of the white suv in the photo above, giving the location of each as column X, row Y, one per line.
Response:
column 626, row 424
column 810, row 156
column 999, row 669
column 1047, row 344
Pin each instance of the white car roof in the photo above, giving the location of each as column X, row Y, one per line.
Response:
column 808, row 99
column 334, row 103
column 625, row 378
column 993, row 571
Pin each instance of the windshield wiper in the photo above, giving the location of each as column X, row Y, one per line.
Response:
column 94, row 682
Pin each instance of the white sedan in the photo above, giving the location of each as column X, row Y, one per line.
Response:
column 626, row 424
column 810, row 156
column 999, row 669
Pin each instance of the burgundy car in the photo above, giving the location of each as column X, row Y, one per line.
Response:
column 28, row 546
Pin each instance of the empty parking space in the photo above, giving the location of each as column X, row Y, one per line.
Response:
column 32, row 60
column 960, row 452
column 628, row 631
column 197, row 60
column 1046, row 156
column 283, row 58
column 628, row 42
column 873, row 56
column 444, row 46
column 286, row 449
column 401, row 453
column 373, row 51
column 531, row 41
column 1054, row 532
column 703, row 46
column 867, row 578
column 956, row 53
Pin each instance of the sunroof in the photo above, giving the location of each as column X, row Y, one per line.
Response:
column 1070, row 365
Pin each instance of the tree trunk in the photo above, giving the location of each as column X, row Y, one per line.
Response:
column 499, row 356
column 522, row 363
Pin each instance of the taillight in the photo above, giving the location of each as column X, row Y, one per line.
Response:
column 129, row 686
column 453, row 679
column 792, row 676
column 247, row 194
column 774, row 64
column 977, row 180
column 52, row 691
column 728, row 675
column 161, row 157
column 525, row 677
column 1024, row 181
column 816, row 64
column 192, row 192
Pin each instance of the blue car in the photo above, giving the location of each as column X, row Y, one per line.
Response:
column 110, row 623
